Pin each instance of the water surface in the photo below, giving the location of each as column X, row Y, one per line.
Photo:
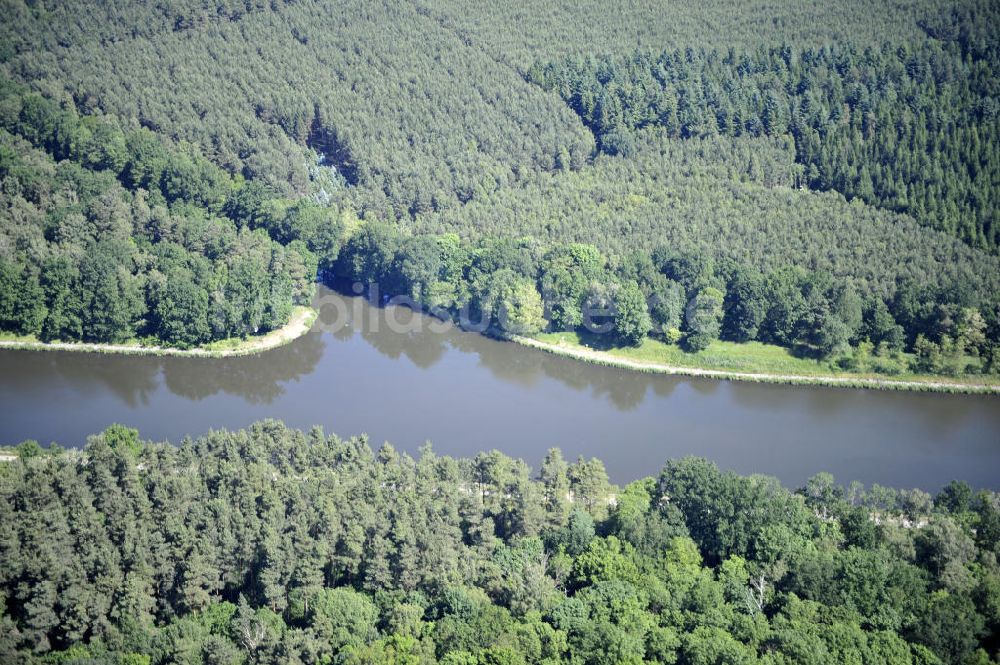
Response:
column 466, row 393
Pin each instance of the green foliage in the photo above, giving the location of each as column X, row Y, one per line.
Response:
column 184, row 171
column 632, row 319
column 567, row 272
column 605, row 560
column 28, row 449
column 127, row 551
column 704, row 318
column 109, row 264
column 442, row 133
column 513, row 303
column 491, row 285
column 870, row 124
column 123, row 439
column 745, row 306
column 342, row 617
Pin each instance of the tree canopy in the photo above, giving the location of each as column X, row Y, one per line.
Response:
column 193, row 168
column 273, row 545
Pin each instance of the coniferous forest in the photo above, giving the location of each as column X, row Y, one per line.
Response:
column 273, row 545
column 180, row 173
column 821, row 177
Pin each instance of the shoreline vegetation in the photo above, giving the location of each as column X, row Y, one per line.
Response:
column 300, row 322
column 648, row 357
column 652, row 356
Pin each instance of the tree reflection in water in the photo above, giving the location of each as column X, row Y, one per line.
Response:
column 258, row 378
column 466, row 392
column 133, row 379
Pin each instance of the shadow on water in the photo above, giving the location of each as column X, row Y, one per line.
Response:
column 394, row 373
column 421, row 347
column 939, row 414
column 393, row 331
column 625, row 389
column 259, row 379
column 396, row 331
column 133, row 379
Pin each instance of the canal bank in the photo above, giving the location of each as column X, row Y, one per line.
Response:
column 468, row 393
column 298, row 324
column 611, row 359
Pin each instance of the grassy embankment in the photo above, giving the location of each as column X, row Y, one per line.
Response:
column 298, row 324
column 752, row 361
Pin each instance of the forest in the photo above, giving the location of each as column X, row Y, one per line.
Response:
column 274, row 545
column 819, row 178
column 113, row 235
column 522, row 287
column 110, row 235
column 911, row 131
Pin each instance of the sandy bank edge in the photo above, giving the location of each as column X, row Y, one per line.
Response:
column 298, row 325
column 611, row 360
